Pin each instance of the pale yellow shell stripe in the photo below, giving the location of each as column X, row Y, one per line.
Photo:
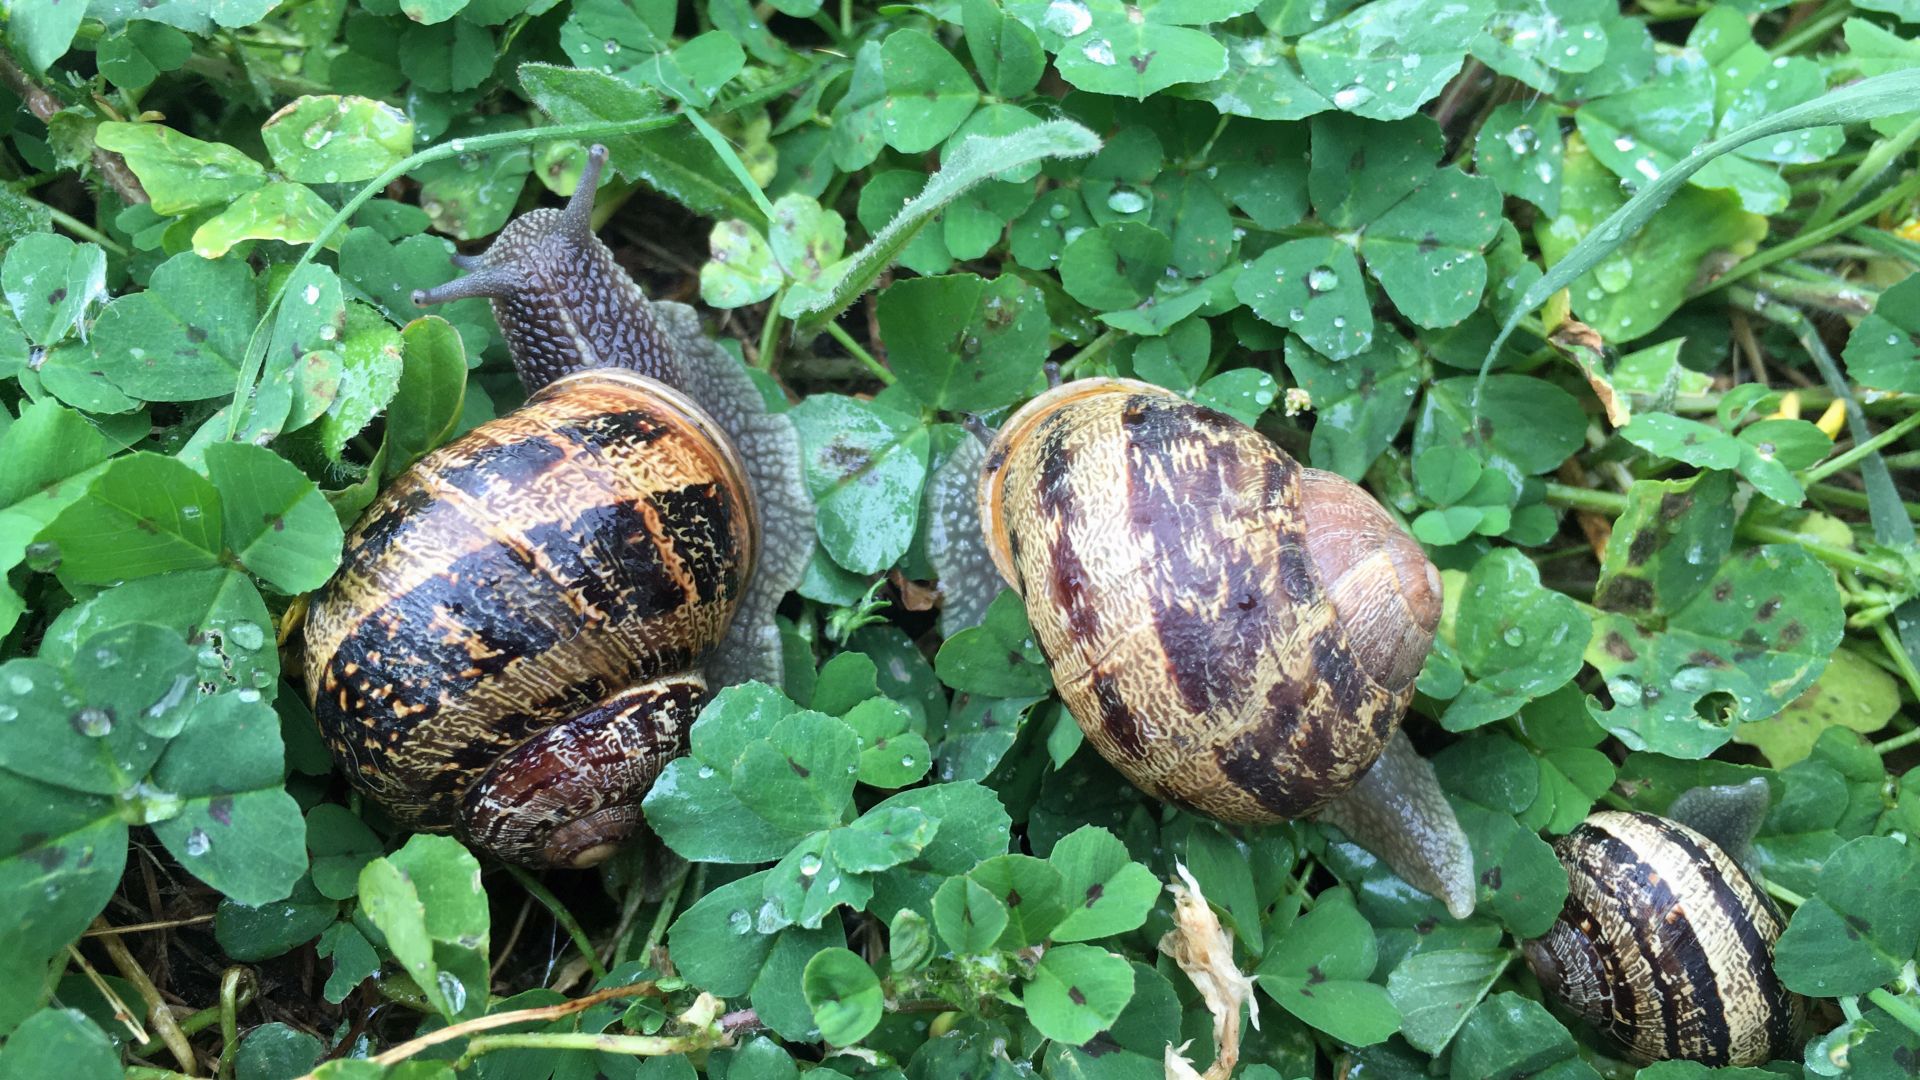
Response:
column 1697, row 981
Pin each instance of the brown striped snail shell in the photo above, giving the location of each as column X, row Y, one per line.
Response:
column 527, row 621
column 1235, row 633
column 1665, row 945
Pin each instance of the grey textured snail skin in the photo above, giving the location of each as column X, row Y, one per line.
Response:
column 1135, row 488
column 1665, row 945
column 565, row 305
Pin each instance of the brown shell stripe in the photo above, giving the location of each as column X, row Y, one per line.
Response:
column 540, row 536
column 1689, row 978
column 1207, row 651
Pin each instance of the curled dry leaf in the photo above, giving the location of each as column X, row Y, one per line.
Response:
column 1204, row 950
column 1586, row 348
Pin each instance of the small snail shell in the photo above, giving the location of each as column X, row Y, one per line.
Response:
column 1666, row 945
column 1235, row 633
column 524, row 623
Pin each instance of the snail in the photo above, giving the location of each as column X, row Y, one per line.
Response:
column 1236, row 634
column 1665, row 944
column 527, row 621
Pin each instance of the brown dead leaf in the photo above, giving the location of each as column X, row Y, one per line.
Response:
column 1204, row 950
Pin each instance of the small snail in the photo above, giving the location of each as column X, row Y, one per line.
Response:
column 1236, row 634
column 526, row 622
column 1666, row 945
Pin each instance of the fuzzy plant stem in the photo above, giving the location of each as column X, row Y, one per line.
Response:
column 256, row 353
column 1608, row 502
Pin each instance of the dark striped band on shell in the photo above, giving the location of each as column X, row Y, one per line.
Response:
column 1235, row 633
column 1665, row 945
column 527, row 577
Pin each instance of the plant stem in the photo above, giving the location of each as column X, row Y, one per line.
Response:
column 562, row 916
column 159, row 1013
column 1900, row 741
column 1883, row 153
column 80, row 228
column 1607, row 502
column 196, row 1023
column 1902, row 660
column 1898, row 1007
column 1825, row 294
column 1828, row 468
column 1579, row 498
column 663, row 918
column 839, row 334
column 1785, row 895
column 770, row 332
column 631, row 1045
column 135, row 928
column 1088, row 354
column 1809, row 238
column 1826, row 553
column 1813, row 30
column 517, row 1016
column 231, row 982
column 1856, row 500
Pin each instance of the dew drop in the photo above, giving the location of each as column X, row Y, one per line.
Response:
column 8, row 714
column 706, row 772
column 93, row 722
column 1058, row 211
column 170, row 700
column 1692, row 680
column 1100, row 52
column 1514, row 636
column 1625, row 690
column 247, row 635
column 1068, row 18
column 1322, row 279
column 739, row 921
column 1126, row 201
column 199, row 843
column 312, row 294
column 453, row 990
column 43, row 557
column 1352, row 97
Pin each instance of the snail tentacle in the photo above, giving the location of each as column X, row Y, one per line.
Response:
column 564, row 304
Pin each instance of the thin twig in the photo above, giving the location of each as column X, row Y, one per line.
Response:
column 517, row 1016
column 112, row 168
column 120, row 1011
column 159, row 1013
column 138, row 928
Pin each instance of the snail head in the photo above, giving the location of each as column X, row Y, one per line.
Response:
column 562, row 302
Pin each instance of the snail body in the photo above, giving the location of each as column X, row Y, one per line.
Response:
column 1235, row 633
column 527, row 621
column 1665, row 944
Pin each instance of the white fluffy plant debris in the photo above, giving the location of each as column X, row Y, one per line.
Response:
column 1204, row 950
